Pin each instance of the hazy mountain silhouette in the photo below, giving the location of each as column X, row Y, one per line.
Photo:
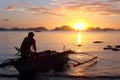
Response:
column 24, row 29
column 100, row 29
column 64, row 28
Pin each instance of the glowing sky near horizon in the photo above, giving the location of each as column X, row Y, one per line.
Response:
column 55, row 13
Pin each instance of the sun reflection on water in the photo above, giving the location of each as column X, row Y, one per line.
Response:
column 79, row 38
column 78, row 72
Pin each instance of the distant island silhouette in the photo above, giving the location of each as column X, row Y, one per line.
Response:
column 64, row 28
column 101, row 29
column 61, row 28
column 25, row 29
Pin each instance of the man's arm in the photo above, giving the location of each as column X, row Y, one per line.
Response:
column 34, row 46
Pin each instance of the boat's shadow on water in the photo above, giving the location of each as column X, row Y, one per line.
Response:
column 40, row 75
column 24, row 76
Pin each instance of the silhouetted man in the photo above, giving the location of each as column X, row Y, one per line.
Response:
column 28, row 43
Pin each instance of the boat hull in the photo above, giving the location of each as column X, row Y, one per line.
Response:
column 43, row 63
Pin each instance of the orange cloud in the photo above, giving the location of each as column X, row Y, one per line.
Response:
column 10, row 8
column 69, row 7
column 43, row 10
column 38, row 9
column 98, row 6
column 114, row 0
column 34, row 10
column 7, row 20
column 17, row 6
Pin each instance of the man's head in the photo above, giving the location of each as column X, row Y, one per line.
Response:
column 31, row 34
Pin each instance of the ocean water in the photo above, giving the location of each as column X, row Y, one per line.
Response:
column 107, row 63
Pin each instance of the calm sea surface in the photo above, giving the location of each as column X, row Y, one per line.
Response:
column 108, row 62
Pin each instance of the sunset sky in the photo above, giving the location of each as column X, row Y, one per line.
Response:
column 55, row 13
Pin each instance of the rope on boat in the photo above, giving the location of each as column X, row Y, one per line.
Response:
column 73, row 52
column 87, row 54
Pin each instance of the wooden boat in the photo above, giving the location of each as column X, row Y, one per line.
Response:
column 43, row 61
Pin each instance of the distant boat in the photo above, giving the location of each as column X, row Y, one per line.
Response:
column 98, row 42
column 109, row 47
column 115, row 49
column 117, row 46
column 79, row 45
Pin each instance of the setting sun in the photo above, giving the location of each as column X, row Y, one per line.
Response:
column 79, row 26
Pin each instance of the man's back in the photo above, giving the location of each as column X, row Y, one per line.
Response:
column 27, row 43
